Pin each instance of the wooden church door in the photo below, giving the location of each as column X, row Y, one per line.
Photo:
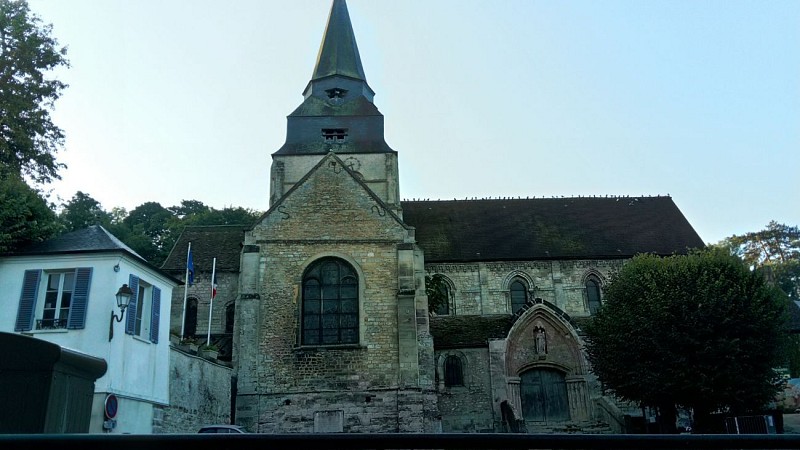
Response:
column 544, row 396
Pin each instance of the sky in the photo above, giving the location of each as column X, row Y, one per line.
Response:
column 700, row 100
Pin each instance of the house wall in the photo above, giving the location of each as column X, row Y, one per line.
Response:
column 137, row 368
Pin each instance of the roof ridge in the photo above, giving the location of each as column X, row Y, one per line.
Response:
column 554, row 197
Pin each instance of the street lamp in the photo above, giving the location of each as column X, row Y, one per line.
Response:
column 124, row 295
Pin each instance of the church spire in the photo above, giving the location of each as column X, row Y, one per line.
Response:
column 338, row 53
column 337, row 112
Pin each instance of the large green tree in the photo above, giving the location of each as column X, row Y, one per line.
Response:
column 81, row 211
column 775, row 249
column 29, row 139
column 25, row 215
column 699, row 331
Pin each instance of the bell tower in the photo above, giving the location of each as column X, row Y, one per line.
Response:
column 337, row 115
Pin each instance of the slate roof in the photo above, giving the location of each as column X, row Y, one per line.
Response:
column 338, row 53
column 223, row 242
column 558, row 228
column 92, row 239
column 468, row 331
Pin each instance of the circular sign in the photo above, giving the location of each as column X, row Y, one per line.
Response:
column 111, row 406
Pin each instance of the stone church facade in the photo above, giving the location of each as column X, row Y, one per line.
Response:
column 323, row 308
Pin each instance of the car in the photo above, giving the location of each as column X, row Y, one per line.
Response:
column 222, row 429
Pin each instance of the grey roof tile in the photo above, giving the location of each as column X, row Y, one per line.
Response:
column 559, row 228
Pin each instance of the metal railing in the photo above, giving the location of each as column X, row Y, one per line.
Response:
column 51, row 324
column 399, row 441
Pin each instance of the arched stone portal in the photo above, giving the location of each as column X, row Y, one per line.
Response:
column 545, row 368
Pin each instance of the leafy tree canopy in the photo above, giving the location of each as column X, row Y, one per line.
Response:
column 29, row 139
column 25, row 216
column 775, row 249
column 82, row 211
column 699, row 331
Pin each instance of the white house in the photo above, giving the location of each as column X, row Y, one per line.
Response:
column 64, row 291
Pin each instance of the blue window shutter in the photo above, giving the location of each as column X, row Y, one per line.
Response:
column 130, row 322
column 155, row 315
column 80, row 298
column 27, row 300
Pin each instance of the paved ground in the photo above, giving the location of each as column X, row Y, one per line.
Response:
column 791, row 423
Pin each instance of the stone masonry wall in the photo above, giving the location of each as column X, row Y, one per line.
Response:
column 285, row 386
column 361, row 411
column 482, row 288
column 199, row 394
column 227, row 292
column 468, row 408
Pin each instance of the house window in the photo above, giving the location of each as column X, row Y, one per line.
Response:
column 453, row 371
column 144, row 311
column 57, row 300
column 53, row 299
column 519, row 296
column 142, row 308
column 334, row 135
column 593, row 293
column 330, row 303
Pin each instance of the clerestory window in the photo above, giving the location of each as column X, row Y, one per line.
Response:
column 519, row 295
column 593, row 294
column 330, row 304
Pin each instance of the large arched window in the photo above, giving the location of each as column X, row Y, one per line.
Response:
column 593, row 293
column 330, row 303
column 453, row 371
column 438, row 291
column 519, row 295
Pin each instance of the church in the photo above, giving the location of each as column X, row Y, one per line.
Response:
column 323, row 310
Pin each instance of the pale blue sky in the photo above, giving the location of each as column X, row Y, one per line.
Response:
column 698, row 99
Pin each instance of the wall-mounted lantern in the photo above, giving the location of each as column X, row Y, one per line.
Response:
column 124, row 295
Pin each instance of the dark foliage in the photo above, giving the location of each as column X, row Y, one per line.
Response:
column 699, row 331
column 29, row 139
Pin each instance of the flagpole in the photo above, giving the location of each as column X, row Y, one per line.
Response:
column 185, row 290
column 211, row 305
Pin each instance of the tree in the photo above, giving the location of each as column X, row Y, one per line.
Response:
column 29, row 139
column 82, row 211
column 189, row 208
column 699, row 331
column 25, row 216
column 775, row 249
column 148, row 231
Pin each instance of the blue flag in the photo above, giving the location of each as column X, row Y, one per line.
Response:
column 190, row 267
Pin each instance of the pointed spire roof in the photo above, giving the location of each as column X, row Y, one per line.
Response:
column 338, row 53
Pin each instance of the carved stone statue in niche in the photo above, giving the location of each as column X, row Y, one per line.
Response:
column 540, row 340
